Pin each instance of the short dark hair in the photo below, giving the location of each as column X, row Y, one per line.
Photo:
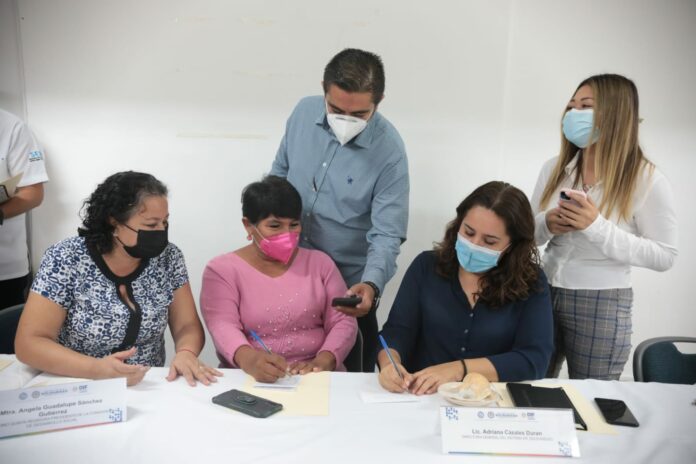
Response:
column 273, row 195
column 517, row 272
column 119, row 197
column 356, row 70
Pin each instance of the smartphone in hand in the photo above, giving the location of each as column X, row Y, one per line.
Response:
column 565, row 197
column 616, row 412
column 347, row 301
column 247, row 403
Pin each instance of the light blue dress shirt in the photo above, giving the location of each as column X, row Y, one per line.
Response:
column 354, row 197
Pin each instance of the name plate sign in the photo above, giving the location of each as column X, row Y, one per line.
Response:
column 64, row 406
column 515, row 431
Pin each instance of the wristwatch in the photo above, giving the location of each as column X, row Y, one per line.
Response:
column 375, row 300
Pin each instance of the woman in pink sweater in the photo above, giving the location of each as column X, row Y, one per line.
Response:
column 281, row 292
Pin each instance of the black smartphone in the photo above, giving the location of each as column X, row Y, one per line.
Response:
column 347, row 301
column 247, row 403
column 616, row 412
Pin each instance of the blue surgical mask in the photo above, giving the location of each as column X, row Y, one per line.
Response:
column 577, row 127
column 475, row 258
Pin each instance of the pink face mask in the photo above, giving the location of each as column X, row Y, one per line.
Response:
column 279, row 247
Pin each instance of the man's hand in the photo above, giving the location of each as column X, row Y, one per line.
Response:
column 364, row 291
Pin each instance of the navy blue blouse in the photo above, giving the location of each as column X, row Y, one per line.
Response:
column 432, row 322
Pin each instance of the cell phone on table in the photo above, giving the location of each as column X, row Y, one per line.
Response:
column 247, row 403
column 347, row 301
column 616, row 412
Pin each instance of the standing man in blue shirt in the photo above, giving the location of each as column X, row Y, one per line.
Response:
column 349, row 165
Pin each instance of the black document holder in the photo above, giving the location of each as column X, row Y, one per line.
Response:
column 525, row 395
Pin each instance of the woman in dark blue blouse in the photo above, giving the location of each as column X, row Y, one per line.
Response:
column 478, row 302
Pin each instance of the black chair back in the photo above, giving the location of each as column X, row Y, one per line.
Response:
column 658, row 360
column 9, row 319
column 354, row 360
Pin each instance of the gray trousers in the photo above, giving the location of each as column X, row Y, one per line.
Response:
column 592, row 331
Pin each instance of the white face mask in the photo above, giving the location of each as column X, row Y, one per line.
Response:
column 345, row 127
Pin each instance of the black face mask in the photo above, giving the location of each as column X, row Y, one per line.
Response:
column 150, row 243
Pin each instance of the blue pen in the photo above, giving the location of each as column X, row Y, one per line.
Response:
column 258, row 339
column 263, row 345
column 386, row 348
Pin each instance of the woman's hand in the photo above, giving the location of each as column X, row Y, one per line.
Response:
column 580, row 213
column 426, row 381
column 114, row 366
column 262, row 366
column 390, row 380
column 324, row 361
column 555, row 222
column 187, row 364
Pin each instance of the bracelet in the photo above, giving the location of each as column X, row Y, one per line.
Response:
column 186, row 349
column 465, row 369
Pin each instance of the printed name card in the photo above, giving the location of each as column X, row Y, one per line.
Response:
column 64, row 406
column 516, row 431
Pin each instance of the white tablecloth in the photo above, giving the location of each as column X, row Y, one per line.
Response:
column 172, row 422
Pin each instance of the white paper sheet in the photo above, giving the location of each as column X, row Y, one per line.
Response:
column 286, row 383
column 376, row 394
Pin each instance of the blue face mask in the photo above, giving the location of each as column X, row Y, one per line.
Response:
column 475, row 258
column 577, row 127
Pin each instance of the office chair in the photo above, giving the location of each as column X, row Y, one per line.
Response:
column 354, row 360
column 658, row 360
column 9, row 319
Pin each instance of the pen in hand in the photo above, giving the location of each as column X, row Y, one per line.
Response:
column 386, row 348
column 263, row 345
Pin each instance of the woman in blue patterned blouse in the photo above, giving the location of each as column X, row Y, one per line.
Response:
column 101, row 301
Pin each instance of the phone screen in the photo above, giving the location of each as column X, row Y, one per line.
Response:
column 616, row 412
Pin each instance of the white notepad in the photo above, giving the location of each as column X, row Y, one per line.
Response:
column 286, row 383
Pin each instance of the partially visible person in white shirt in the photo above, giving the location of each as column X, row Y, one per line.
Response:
column 19, row 153
column 618, row 212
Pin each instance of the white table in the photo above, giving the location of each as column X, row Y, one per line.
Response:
column 172, row 422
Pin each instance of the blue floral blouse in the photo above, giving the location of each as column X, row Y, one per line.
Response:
column 98, row 321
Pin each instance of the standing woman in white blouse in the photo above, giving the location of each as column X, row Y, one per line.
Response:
column 620, row 213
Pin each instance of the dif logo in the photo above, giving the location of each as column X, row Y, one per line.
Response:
column 79, row 389
column 35, row 394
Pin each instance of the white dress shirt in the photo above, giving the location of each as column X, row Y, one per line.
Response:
column 601, row 256
column 19, row 153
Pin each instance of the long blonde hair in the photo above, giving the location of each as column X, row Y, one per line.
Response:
column 618, row 158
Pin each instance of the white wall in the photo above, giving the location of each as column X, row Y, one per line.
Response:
column 198, row 93
column 11, row 79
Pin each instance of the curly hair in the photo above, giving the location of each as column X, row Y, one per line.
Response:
column 119, row 197
column 517, row 271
